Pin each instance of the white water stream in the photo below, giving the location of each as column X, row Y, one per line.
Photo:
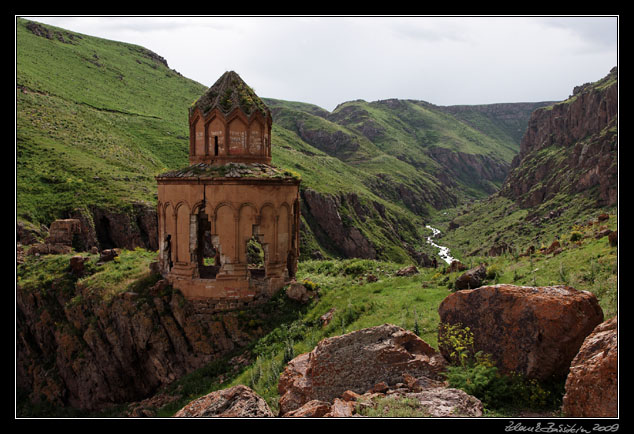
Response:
column 443, row 252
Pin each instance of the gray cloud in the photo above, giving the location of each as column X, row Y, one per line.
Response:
column 330, row 60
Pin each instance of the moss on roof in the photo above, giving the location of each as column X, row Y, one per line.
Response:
column 231, row 170
column 229, row 92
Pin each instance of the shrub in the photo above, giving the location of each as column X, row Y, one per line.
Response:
column 493, row 272
column 476, row 374
column 575, row 236
column 310, row 285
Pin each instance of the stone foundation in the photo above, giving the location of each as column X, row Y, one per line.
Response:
column 209, row 296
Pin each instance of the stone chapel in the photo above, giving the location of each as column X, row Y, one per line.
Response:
column 228, row 223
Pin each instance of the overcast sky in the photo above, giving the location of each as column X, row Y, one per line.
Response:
column 329, row 60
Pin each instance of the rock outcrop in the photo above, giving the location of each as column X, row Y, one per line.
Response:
column 535, row 331
column 592, row 385
column 425, row 402
column 75, row 349
column 357, row 361
column 570, row 147
column 238, row 401
column 347, row 238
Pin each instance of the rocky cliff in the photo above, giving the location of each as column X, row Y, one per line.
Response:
column 73, row 348
column 104, row 228
column 569, row 148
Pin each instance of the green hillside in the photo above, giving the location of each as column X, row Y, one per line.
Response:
column 97, row 120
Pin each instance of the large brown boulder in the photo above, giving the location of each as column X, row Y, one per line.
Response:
column 236, row 401
column 471, row 278
column 535, row 331
column 592, row 385
column 357, row 361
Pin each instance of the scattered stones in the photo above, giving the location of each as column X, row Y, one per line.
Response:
column 603, row 233
column 48, row 249
column 592, row 385
column 430, row 402
column 356, row 361
column 407, row 271
column 237, row 401
column 535, row 331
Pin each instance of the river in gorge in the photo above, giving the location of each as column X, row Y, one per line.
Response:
column 443, row 252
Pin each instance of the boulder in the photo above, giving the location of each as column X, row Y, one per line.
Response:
column 613, row 238
column 63, row 231
column 472, row 278
column 534, row 331
column 298, row 292
column 592, row 384
column 356, row 361
column 456, row 266
column 237, row 401
column 108, row 255
column 553, row 247
column 314, row 408
column 446, row 402
column 48, row 249
column 77, row 265
column 407, row 271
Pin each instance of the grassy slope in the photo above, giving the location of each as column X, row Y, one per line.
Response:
column 97, row 120
column 409, row 130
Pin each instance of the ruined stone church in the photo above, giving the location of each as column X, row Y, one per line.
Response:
column 228, row 223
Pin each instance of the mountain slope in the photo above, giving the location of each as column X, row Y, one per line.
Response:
column 565, row 175
column 97, row 120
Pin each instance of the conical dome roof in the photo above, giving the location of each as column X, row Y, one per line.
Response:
column 229, row 92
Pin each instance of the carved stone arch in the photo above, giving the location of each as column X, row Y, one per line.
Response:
column 286, row 206
column 268, row 205
column 196, row 133
column 237, row 133
column 215, row 131
column 167, row 227
column 183, row 213
column 237, row 113
column 225, row 231
column 169, row 217
column 248, row 219
column 267, row 230
column 160, row 216
column 250, row 204
column 283, row 231
column 255, row 134
column 227, row 204
column 196, row 207
column 180, row 204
